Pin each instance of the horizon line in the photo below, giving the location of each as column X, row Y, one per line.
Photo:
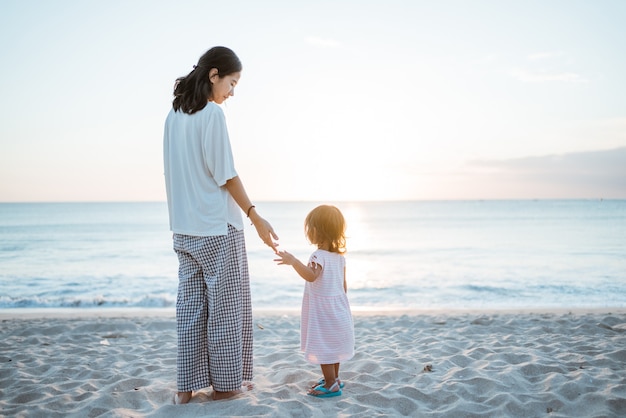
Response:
column 332, row 200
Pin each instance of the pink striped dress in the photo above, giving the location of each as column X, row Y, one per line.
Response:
column 327, row 330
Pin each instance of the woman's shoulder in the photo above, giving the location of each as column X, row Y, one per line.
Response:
column 209, row 111
column 212, row 108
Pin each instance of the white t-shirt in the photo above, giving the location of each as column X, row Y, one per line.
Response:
column 198, row 161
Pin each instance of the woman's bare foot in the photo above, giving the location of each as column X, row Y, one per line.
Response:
column 182, row 398
column 246, row 387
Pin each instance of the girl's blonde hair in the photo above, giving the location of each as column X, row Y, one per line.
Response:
column 326, row 225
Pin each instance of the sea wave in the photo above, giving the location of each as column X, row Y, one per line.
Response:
column 149, row 301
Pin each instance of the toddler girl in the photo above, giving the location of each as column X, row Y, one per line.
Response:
column 327, row 330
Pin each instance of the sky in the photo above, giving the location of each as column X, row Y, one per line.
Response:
column 338, row 100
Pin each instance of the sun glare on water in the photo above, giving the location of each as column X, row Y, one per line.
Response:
column 358, row 235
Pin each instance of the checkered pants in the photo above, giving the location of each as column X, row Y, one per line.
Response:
column 213, row 312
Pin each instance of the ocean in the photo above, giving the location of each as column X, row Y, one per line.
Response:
column 492, row 254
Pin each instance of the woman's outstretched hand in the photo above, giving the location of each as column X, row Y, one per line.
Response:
column 265, row 231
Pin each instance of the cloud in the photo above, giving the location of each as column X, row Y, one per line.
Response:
column 322, row 42
column 544, row 55
column 541, row 77
column 592, row 174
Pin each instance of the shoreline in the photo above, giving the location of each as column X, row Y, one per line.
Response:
column 87, row 313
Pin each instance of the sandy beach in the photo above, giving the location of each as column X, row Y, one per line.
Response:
column 455, row 364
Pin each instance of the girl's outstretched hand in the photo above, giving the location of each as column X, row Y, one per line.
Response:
column 309, row 273
column 284, row 258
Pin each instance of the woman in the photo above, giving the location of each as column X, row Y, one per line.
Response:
column 204, row 196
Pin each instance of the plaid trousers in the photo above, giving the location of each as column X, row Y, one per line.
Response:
column 213, row 312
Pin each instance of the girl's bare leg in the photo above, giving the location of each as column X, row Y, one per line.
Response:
column 336, row 366
column 328, row 370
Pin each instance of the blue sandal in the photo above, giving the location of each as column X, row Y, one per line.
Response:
column 323, row 382
column 326, row 393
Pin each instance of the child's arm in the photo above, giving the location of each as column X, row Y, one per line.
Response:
column 345, row 282
column 309, row 273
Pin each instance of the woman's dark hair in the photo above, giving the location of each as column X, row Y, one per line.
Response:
column 192, row 92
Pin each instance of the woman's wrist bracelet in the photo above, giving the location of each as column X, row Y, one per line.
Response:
column 249, row 209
